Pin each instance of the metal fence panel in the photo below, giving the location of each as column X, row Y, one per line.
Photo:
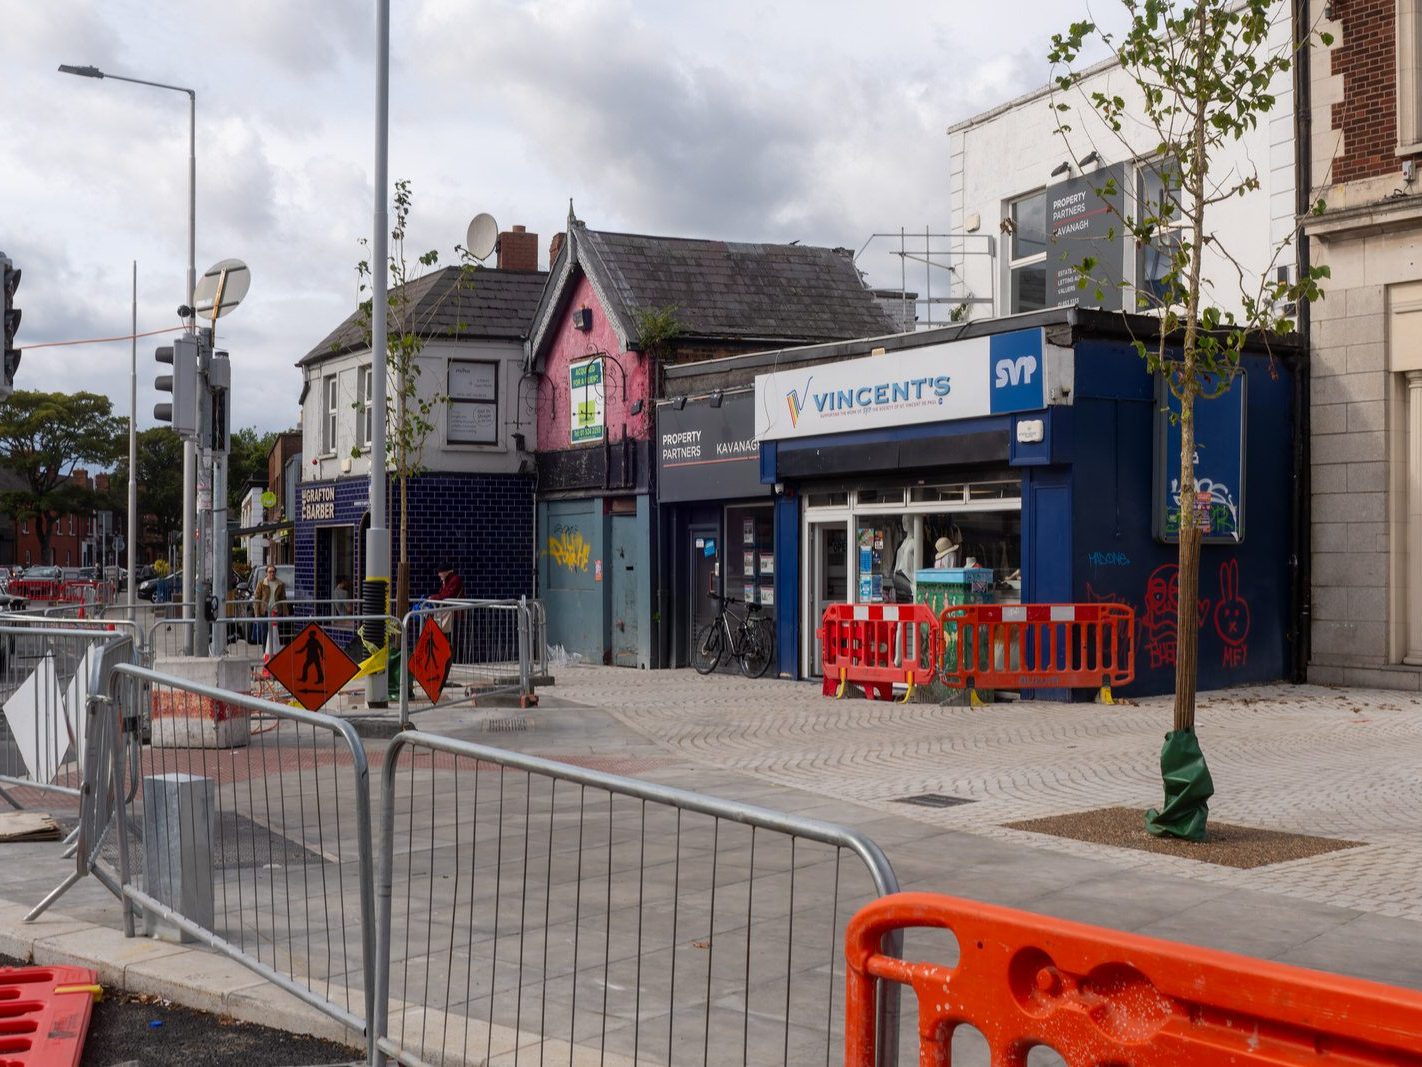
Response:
column 45, row 667
column 532, row 910
column 492, row 646
column 290, row 839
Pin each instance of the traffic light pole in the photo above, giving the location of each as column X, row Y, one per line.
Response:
column 202, row 633
column 377, row 536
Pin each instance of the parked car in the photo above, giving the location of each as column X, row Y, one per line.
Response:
column 146, row 589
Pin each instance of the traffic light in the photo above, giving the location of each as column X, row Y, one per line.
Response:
column 182, row 383
column 9, row 282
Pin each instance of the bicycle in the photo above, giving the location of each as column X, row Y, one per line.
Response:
column 750, row 641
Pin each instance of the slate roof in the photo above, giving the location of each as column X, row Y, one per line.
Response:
column 721, row 290
column 496, row 305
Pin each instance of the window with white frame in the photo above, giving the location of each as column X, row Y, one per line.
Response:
column 1409, row 76
column 1027, row 253
column 331, row 395
column 1158, row 197
column 473, row 405
column 365, row 394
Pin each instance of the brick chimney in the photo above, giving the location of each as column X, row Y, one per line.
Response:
column 555, row 246
column 518, row 250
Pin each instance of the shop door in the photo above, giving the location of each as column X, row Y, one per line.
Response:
column 625, row 643
column 829, row 578
column 705, row 574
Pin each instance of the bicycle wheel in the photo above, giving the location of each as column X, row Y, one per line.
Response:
column 756, row 648
column 706, row 648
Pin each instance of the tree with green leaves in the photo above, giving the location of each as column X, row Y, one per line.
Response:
column 160, row 487
column 409, row 411
column 247, row 452
column 44, row 438
column 1201, row 75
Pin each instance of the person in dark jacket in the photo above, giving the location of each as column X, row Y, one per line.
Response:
column 451, row 586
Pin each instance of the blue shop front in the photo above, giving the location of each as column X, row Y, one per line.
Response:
column 1038, row 453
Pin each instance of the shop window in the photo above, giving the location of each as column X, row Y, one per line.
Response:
column 827, row 500
column 750, row 556
column 1027, row 247
column 365, row 393
column 1007, row 490
column 1158, row 196
column 933, row 494
column 329, row 394
column 473, row 389
column 879, row 496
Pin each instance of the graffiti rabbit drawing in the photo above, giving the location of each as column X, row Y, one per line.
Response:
column 1232, row 617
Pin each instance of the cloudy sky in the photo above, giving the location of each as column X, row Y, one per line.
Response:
column 816, row 120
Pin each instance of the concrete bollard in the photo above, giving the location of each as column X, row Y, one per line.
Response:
column 179, row 821
column 186, row 720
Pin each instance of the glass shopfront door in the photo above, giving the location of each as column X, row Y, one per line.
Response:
column 828, row 578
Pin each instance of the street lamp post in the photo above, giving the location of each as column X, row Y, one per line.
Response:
column 189, row 447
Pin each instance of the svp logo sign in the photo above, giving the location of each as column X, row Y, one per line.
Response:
column 1017, row 372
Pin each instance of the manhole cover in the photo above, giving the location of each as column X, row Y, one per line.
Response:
column 934, row 800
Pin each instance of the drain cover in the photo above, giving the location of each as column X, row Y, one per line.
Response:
column 506, row 725
column 934, row 800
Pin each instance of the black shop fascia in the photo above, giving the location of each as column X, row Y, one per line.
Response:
column 718, row 524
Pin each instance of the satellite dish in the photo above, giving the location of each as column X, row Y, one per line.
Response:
column 232, row 276
column 483, row 235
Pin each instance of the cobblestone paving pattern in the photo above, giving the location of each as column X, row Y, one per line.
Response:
column 1306, row 759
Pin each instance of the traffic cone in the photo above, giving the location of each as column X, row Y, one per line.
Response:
column 273, row 645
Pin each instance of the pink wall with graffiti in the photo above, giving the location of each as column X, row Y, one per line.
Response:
column 570, row 345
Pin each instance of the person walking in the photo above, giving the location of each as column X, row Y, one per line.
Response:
column 268, row 600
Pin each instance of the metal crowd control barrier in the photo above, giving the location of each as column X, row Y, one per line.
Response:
column 45, row 666
column 1098, row 996
column 491, row 642
column 272, row 867
column 1038, row 646
column 529, row 908
column 109, row 758
column 876, row 646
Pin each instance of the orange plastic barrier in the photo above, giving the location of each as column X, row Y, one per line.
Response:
column 1101, row 997
column 44, row 1015
column 1038, row 646
column 875, row 646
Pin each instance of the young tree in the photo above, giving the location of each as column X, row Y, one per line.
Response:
column 409, row 412
column 44, row 437
column 1202, row 74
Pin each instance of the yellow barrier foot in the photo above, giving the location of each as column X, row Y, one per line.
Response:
column 1105, row 697
column 843, row 684
column 908, row 693
column 975, row 701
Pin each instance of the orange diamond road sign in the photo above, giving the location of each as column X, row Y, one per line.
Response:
column 312, row 668
column 429, row 662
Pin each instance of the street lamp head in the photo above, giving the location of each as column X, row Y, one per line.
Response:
column 83, row 72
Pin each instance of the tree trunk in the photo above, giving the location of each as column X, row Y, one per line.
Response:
column 402, row 572
column 1187, row 650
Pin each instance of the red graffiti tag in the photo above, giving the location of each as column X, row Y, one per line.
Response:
column 1232, row 617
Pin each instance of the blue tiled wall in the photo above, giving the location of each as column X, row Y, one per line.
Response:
column 481, row 523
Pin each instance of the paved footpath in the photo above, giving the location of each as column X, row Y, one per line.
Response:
column 1310, row 759
column 1339, row 763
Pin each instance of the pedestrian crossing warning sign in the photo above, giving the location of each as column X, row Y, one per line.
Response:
column 312, row 668
column 429, row 663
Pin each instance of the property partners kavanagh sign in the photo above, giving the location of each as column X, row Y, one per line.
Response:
column 1084, row 222
column 964, row 379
